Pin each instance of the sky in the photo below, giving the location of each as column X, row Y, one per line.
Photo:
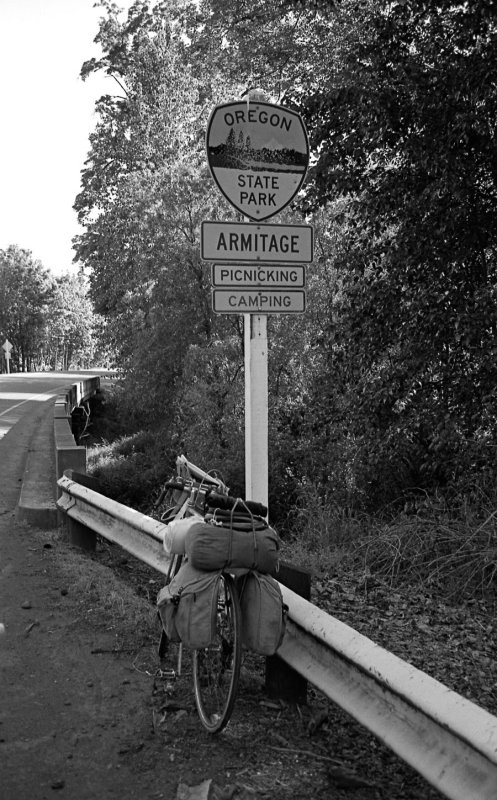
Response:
column 47, row 114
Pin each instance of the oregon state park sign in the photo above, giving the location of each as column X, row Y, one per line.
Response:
column 258, row 155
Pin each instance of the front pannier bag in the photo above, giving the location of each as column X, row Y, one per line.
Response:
column 213, row 547
column 188, row 607
column 263, row 613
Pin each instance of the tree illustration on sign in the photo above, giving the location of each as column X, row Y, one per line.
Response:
column 237, row 153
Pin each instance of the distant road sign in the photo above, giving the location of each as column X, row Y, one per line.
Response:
column 267, row 301
column 258, row 155
column 259, row 275
column 7, row 346
column 245, row 241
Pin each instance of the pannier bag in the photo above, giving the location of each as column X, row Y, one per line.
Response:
column 212, row 547
column 175, row 535
column 263, row 613
column 188, row 606
column 167, row 606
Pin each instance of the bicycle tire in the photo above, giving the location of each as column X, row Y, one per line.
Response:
column 216, row 669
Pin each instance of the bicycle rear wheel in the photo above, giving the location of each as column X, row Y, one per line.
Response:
column 216, row 669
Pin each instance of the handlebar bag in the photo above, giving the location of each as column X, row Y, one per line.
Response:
column 263, row 613
column 212, row 547
column 188, row 605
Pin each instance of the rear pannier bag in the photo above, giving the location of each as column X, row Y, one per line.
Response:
column 212, row 547
column 166, row 606
column 188, row 606
column 263, row 613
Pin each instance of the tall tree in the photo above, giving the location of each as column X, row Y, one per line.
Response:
column 402, row 120
column 70, row 337
column 144, row 193
column 26, row 290
column 392, row 384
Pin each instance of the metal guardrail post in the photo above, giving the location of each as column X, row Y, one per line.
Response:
column 80, row 534
column 282, row 680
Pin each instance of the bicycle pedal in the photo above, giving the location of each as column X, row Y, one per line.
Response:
column 167, row 674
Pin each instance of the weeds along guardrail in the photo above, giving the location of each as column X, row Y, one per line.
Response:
column 449, row 740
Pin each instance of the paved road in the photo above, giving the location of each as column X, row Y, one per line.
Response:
column 22, row 394
column 74, row 712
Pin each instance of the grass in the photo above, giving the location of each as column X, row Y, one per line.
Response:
column 98, row 589
column 322, row 532
column 453, row 551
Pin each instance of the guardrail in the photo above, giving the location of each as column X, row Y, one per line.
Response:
column 449, row 740
column 68, row 454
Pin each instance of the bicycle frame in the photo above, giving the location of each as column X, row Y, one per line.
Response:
column 196, row 483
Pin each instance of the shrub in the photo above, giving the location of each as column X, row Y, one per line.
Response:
column 132, row 468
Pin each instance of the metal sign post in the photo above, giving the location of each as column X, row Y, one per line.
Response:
column 258, row 155
column 256, row 408
column 7, row 347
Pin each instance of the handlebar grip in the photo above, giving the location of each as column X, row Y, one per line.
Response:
column 226, row 503
column 175, row 484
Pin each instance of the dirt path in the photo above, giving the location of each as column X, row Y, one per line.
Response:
column 67, row 714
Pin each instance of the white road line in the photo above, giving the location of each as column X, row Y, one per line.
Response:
column 48, row 394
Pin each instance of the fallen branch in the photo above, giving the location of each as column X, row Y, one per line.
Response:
column 305, row 753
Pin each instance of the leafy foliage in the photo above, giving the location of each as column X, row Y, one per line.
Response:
column 70, row 337
column 402, row 124
column 26, row 290
column 49, row 321
column 385, row 388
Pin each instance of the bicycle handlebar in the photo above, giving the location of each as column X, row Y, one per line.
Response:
column 177, row 483
column 227, row 503
column 213, row 499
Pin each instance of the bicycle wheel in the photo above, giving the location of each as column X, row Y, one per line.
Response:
column 216, row 669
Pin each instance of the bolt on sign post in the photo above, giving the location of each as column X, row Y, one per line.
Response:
column 258, row 155
column 7, row 347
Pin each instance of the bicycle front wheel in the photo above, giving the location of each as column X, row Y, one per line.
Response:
column 216, row 669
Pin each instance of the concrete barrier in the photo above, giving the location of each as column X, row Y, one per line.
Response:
column 53, row 450
column 68, row 454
